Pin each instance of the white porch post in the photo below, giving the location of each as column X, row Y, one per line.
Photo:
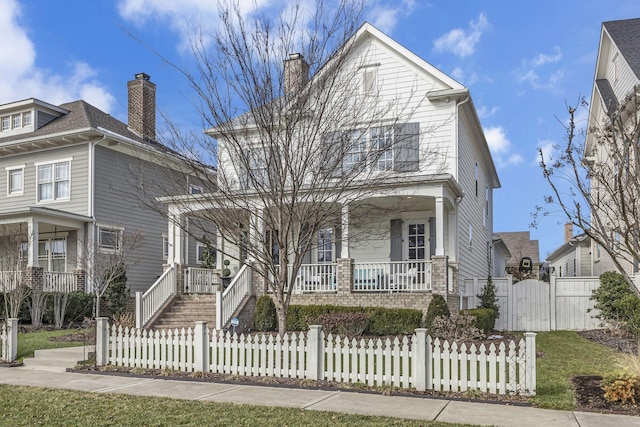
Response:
column 345, row 232
column 439, row 226
column 256, row 232
column 32, row 231
column 175, row 237
column 80, row 246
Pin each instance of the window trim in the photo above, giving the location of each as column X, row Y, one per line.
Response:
column 119, row 231
column 9, row 170
column 165, row 246
column 53, row 163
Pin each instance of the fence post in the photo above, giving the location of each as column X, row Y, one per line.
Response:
column 219, row 324
column 201, row 347
column 421, row 359
column 530, row 363
column 12, row 339
column 102, row 341
column 553, row 306
column 315, row 353
column 138, row 310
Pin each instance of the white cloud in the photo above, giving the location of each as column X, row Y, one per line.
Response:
column 462, row 42
column 532, row 69
column 500, row 147
column 22, row 79
column 484, row 112
column 385, row 16
column 547, row 147
column 467, row 80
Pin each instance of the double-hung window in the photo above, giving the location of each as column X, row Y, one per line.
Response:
column 382, row 147
column 54, row 180
column 356, row 150
column 109, row 239
column 15, row 180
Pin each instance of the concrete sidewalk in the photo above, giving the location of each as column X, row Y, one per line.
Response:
column 319, row 400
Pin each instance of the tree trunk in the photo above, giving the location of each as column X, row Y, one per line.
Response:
column 97, row 306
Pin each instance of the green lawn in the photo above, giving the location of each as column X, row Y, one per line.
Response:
column 28, row 406
column 28, row 342
column 564, row 355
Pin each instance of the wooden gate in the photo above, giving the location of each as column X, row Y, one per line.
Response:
column 534, row 305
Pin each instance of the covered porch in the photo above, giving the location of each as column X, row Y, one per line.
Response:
column 43, row 249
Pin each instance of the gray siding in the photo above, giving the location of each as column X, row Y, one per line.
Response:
column 79, row 179
column 115, row 203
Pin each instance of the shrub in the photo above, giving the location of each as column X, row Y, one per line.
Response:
column 484, row 318
column 342, row 323
column 382, row 321
column 265, row 318
column 80, row 306
column 488, row 298
column 117, row 293
column 621, row 386
column 618, row 305
column 437, row 308
column 457, row 327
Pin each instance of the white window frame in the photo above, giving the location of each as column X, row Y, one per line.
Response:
column 54, row 180
column 165, row 246
column 200, row 250
column 48, row 257
column 382, row 145
column 5, row 123
column 27, row 115
column 16, row 121
column 10, row 170
column 109, row 248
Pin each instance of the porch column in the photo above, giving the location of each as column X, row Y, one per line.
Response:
column 175, row 238
column 32, row 235
column 345, row 232
column 80, row 247
column 439, row 226
column 256, row 233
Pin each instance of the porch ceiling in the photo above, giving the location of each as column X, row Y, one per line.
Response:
column 46, row 217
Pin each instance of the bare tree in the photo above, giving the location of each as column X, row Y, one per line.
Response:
column 104, row 264
column 296, row 143
column 598, row 190
column 13, row 244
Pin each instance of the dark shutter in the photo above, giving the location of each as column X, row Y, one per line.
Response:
column 395, row 240
column 432, row 236
column 305, row 235
column 406, row 147
column 243, row 170
column 338, row 241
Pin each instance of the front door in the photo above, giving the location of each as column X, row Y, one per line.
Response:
column 417, row 250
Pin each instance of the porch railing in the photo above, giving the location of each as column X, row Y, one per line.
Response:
column 148, row 303
column 316, row 278
column 9, row 280
column 227, row 302
column 397, row 276
column 57, row 281
column 201, row 281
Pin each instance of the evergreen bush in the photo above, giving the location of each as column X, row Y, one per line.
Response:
column 484, row 318
column 488, row 298
column 117, row 293
column 265, row 318
column 617, row 304
column 437, row 308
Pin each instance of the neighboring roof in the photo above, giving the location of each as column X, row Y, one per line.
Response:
column 626, row 35
column 83, row 115
column 606, row 93
column 520, row 245
column 567, row 246
column 500, row 244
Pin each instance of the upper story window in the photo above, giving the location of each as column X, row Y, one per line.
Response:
column 382, row 144
column 6, row 123
column 54, row 180
column 16, row 121
column 195, row 189
column 15, row 180
column 369, row 82
column 26, row 119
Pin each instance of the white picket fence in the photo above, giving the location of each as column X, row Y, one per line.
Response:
column 9, row 340
column 411, row 362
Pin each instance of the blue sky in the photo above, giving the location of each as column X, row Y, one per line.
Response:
column 521, row 60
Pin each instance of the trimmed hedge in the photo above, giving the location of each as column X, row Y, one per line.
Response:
column 265, row 318
column 382, row 321
column 485, row 318
column 437, row 308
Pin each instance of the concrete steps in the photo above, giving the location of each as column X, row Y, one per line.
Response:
column 57, row 359
column 186, row 310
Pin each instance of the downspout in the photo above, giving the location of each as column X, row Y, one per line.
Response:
column 459, row 199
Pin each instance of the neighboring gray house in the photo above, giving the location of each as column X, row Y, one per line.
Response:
column 573, row 257
column 73, row 175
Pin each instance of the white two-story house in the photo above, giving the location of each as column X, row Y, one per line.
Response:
column 72, row 176
column 404, row 165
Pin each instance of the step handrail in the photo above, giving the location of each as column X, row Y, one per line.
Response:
column 227, row 302
column 150, row 302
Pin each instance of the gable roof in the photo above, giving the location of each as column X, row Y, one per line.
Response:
column 626, row 35
column 520, row 245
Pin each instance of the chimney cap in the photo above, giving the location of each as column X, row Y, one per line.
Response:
column 293, row 56
column 142, row 76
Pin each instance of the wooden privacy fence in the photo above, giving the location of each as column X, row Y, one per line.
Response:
column 534, row 305
column 9, row 340
column 418, row 361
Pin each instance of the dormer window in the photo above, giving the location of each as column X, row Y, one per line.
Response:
column 6, row 123
column 26, row 119
column 17, row 121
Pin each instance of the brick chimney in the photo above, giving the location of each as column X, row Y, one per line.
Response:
column 142, row 106
column 568, row 232
column 296, row 73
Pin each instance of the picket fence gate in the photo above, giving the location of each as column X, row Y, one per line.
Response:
column 418, row 361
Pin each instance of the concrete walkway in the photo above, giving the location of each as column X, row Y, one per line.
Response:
column 339, row 401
